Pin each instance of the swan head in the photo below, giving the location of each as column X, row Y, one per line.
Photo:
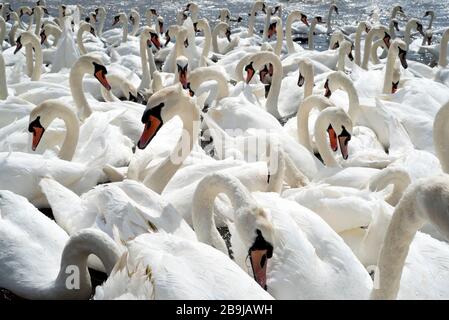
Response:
column 336, row 38
column 272, row 28
column 161, row 107
column 339, row 129
column 91, row 64
column 429, row 13
column 160, row 21
column 347, row 47
column 334, row 7
column 151, row 12
column 305, row 70
column 134, row 16
column 25, row 10
column 402, row 52
column 192, row 7
column 151, row 37
column 86, row 27
column 120, row 18
column 42, row 116
column 335, row 81
column 25, row 38
column 257, row 234
column 100, row 11
column 182, row 64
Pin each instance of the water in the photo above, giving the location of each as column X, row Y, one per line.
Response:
column 351, row 11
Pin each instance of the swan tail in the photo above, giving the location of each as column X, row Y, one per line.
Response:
column 67, row 206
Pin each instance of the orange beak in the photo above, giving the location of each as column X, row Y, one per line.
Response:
column 332, row 138
column 259, row 263
column 151, row 128
column 102, row 78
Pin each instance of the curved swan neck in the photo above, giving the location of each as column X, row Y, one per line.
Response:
column 354, row 104
column 440, row 135
column 203, row 204
column 203, row 74
column 190, row 117
column 219, row 28
column 320, row 133
column 408, row 29
column 292, row 17
column 79, row 38
column 398, row 177
column 77, row 88
column 205, row 27
column 442, row 61
column 271, row 104
column 72, row 130
column 400, row 233
column 302, row 118
column 376, row 31
column 75, row 254
column 3, row 86
column 32, row 42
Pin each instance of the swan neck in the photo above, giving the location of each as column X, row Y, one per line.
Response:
column 389, row 68
column 71, row 137
column 76, row 86
column 273, row 96
column 79, row 40
column 190, row 117
column 311, row 35
column 3, row 85
column 38, row 59
column 125, row 31
column 440, row 135
column 75, row 254
column 400, row 233
column 320, row 130
column 442, row 62
column 302, row 119
column 203, row 206
column 146, row 76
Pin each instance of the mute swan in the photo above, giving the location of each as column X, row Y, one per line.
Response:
column 163, row 266
column 292, row 17
column 162, row 106
column 118, row 154
column 42, row 260
column 424, row 201
column 277, row 236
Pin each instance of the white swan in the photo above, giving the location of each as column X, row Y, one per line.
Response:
column 42, row 259
column 277, row 236
column 163, row 266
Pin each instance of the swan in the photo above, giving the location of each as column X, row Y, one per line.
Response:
column 363, row 26
column 163, row 266
column 134, row 17
column 292, row 17
column 220, row 28
column 258, row 5
column 100, row 13
column 376, row 119
column 376, row 31
column 277, row 236
column 162, row 106
column 442, row 74
column 424, row 201
column 30, row 40
column 42, row 256
column 118, row 154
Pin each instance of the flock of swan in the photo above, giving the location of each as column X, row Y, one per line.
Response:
column 208, row 160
